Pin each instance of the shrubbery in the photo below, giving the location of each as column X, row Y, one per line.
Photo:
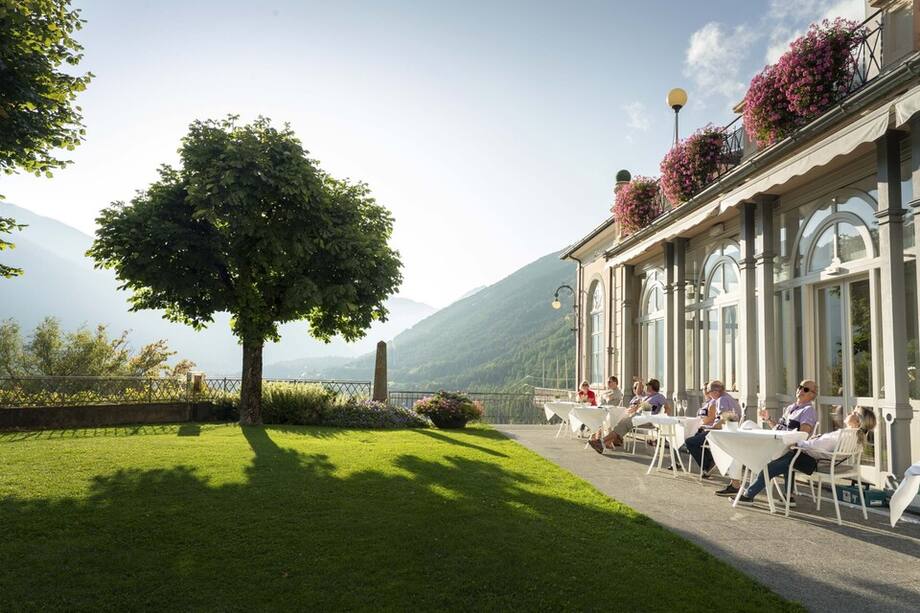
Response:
column 637, row 205
column 313, row 405
column 449, row 409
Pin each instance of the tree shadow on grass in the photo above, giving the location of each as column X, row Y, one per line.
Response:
column 456, row 438
column 95, row 432
column 298, row 531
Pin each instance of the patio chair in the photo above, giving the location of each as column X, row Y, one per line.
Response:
column 843, row 463
column 645, row 430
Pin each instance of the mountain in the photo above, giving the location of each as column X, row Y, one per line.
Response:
column 61, row 281
column 501, row 337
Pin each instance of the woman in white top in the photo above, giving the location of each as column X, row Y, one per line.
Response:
column 821, row 448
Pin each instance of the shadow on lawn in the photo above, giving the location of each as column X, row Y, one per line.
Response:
column 458, row 436
column 456, row 533
column 101, row 431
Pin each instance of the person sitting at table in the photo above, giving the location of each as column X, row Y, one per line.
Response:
column 719, row 408
column 861, row 419
column 653, row 397
column 800, row 415
column 613, row 396
column 586, row 394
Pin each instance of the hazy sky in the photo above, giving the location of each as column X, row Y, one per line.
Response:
column 491, row 130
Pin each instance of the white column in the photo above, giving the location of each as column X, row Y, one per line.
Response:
column 627, row 328
column 749, row 342
column 667, row 382
column 766, row 344
column 895, row 406
column 679, row 319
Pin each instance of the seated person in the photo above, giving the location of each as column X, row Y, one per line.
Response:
column 800, row 415
column 653, row 397
column 719, row 407
column 861, row 419
column 613, row 396
column 586, row 394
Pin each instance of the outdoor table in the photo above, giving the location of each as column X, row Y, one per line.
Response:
column 614, row 414
column 732, row 449
column 670, row 429
column 902, row 496
column 686, row 427
column 588, row 416
column 560, row 408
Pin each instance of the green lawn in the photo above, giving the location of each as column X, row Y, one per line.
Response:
column 219, row 518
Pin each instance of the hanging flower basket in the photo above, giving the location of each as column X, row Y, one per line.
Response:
column 816, row 72
column 692, row 164
column 636, row 205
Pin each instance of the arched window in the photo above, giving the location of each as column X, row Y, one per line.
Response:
column 596, row 335
column 716, row 315
column 843, row 230
column 651, row 326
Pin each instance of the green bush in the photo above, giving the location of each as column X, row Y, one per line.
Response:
column 449, row 409
column 295, row 403
column 372, row 414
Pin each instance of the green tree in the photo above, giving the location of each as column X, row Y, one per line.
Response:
column 249, row 225
column 52, row 352
column 7, row 225
column 37, row 110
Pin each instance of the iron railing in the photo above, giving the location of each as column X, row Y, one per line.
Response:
column 866, row 54
column 498, row 407
column 16, row 392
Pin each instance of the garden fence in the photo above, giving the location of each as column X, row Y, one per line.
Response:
column 18, row 392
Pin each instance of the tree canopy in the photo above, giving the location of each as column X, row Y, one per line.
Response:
column 248, row 224
column 50, row 351
column 38, row 117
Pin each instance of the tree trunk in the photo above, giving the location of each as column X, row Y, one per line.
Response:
column 251, row 389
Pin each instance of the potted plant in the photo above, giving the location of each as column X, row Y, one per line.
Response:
column 692, row 164
column 636, row 205
column 449, row 409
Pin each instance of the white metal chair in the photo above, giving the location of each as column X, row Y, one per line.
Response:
column 667, row 433
column 843, row 463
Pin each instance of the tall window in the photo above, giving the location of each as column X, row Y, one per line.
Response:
column 596, row 331
column 651, row 326
column 716, row 314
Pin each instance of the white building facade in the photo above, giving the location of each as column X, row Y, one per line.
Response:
column 798, row 262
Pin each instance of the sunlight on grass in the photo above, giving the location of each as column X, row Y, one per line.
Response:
column 218, row 517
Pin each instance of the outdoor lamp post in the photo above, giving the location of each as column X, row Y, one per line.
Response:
column 677, row 99
column 558, row 305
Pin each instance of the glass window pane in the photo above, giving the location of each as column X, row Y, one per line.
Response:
column 712, row 345
column 850, row 245
column 907, row 194
column 731, row 250
column 824, row 251
column 690, row 351
column 659, row 349
column 730, row 346
column 731, row 279
column 913, row 338
column 863, row 209
column 714, row 288
column 861, row 337
column 830, row 341
column 808, row 233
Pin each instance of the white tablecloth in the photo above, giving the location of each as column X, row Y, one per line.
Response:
column 905, row 493
column 591, row 417
column 684, row 427
column 560, row 408
column 752, row 448
column 614, row 414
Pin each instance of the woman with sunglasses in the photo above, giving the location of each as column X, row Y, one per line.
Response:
column 861, row 419
column 800, row 415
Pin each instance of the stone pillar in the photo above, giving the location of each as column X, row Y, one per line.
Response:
column 627, row 328
column 896, row 409
column 679, row 379
column 610, row 298
column 766, row 345
column 748, row 320
column 380, row 373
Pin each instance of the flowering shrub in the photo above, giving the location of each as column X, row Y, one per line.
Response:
column 372, row 414
column 811, row 76
column 692, row 164
column 636, row 204
column 448, row 409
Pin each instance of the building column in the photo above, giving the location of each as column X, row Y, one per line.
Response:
column 895, row 406
column 627, row 328
column 611, row 323
column 749, row 344
column 667, row 382
column 678, row 377
column 766, row 344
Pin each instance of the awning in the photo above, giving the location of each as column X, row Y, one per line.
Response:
column 907, row 107
column 839, row 142
column 667, row 233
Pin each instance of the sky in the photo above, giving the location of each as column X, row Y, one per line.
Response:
column 491, row 130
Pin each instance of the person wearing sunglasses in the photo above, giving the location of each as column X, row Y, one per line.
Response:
column 800, row 415
column 861, row 419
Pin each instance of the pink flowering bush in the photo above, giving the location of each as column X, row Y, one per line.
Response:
column 809, row 78
column 636, row 205
column 692, row 164
column 449, row 409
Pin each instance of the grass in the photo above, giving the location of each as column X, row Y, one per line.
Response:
column 215, row 517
